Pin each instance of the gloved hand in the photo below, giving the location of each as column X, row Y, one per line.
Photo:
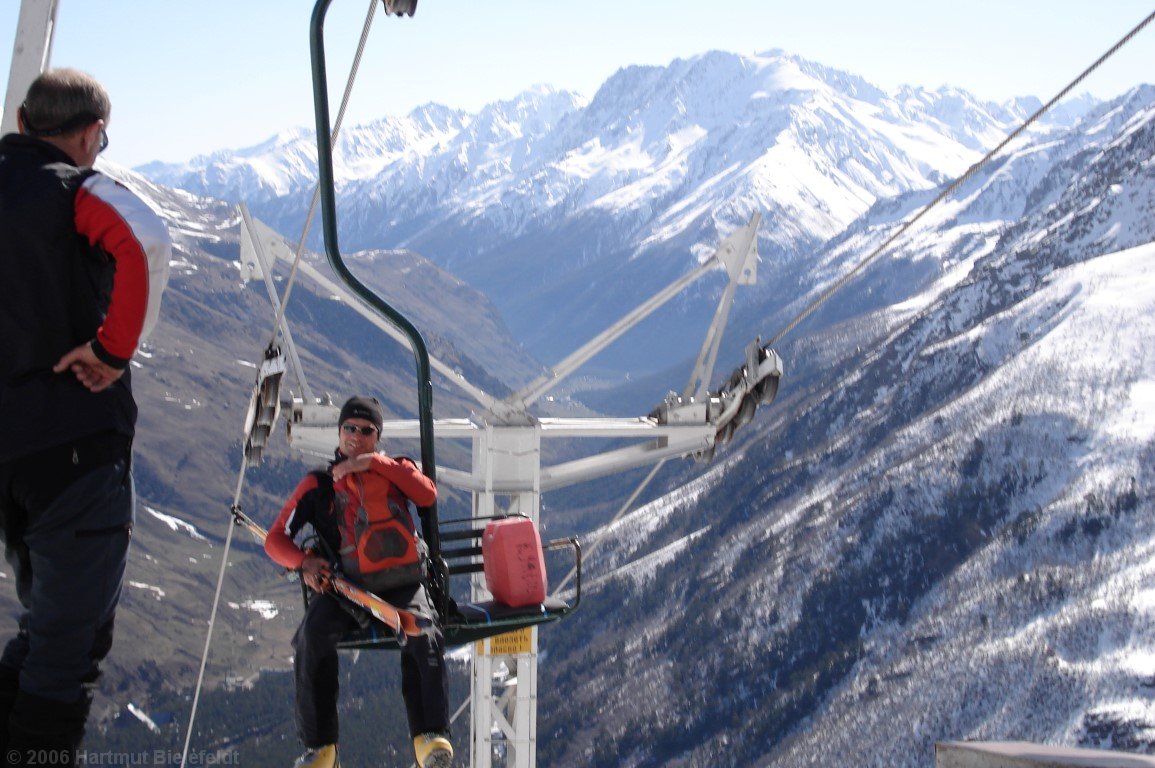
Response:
column 315, row 572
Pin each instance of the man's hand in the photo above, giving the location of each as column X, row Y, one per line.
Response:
column 315, row 573
column 90, row 370
column 349, row 466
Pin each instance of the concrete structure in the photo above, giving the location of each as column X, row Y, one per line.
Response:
column 1020, row 754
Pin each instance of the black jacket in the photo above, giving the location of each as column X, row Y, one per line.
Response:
column 59, row 265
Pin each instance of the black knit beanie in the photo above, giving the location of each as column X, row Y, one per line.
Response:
column 362, row 408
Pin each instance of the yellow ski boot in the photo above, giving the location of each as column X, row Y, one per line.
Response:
column 321, row 757
column 433, row 751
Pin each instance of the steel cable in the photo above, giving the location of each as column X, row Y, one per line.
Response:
column 970, row 172
column 257, row 386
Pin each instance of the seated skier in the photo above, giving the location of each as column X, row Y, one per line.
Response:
column 358, row 511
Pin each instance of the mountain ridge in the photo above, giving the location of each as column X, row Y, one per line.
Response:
column 657, row 165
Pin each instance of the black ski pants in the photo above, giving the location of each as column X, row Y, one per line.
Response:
column 66, row 517
column 424, row 682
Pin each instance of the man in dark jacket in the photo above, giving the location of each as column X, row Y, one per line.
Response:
column 359, row 514
column 83, row 263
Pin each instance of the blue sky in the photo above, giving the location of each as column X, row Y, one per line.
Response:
column 188, row 77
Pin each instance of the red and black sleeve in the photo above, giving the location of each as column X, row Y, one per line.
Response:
column 111, row 217
column 294, row 515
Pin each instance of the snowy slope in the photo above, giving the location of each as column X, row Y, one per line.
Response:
column 944, row 529
column 1044, row 633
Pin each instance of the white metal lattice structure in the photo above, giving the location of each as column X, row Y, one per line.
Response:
column 31, row 53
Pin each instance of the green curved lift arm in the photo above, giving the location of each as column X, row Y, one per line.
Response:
column 333, row 252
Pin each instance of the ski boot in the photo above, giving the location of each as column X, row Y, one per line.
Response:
column 433, row 751
column 320, row 757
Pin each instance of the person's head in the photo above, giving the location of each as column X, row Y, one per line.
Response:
column 359, row 425
column 69, row 109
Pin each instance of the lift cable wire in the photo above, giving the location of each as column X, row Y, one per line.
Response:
column 841, row 282
column 209, row 633
column 626, row 506
column 256, row 390
column 317, row 188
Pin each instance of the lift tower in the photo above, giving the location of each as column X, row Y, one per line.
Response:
column 507, row 472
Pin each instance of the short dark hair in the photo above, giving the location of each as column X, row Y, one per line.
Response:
column 62, row 101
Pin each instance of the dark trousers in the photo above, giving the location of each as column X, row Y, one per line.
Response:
column 66, row 537
column 424, row 682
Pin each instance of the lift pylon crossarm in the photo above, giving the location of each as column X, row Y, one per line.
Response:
column 312, row 429
column 30, row 55
column 260, row 240
column 544, row 383
column 737, row 254
column 256, row 263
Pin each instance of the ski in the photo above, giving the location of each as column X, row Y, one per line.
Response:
column 391, row 616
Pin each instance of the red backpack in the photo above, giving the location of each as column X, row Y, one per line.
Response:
column 380, row 548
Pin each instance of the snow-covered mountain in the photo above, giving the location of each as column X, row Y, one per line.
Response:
column 538, row 198
column 943, row 533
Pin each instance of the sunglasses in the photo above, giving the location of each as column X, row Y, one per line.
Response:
column 353, row 429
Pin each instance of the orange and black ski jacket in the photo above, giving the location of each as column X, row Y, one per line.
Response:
column 332, row 508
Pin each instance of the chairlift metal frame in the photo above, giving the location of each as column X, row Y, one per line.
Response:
column 456, row 625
